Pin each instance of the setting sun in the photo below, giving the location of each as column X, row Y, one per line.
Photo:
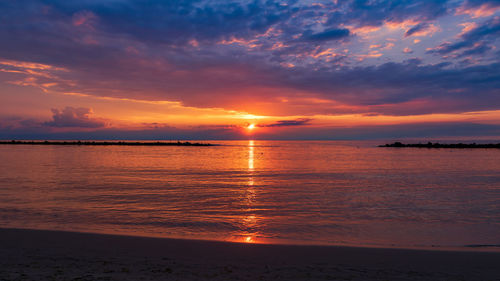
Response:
column 251, row 126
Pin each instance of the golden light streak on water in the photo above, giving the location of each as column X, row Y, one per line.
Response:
column 251, row 156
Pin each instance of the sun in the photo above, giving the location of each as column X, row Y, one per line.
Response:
column 251, row 126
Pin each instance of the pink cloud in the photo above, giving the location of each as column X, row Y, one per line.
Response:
column 387, row 46
column 467, row 26
column 84, row 19
column 484, row 10
column 407, row 50
column 422, row 30
column 240, row 41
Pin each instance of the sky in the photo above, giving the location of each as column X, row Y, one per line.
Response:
column 126, row 69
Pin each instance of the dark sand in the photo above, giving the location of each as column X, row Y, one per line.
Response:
column 53, row 255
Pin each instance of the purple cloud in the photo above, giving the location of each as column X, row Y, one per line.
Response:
column 417, row 28
column 175, row 51
column 488, row 31
column 327, row 35
column 287, row 123
column 74, row 117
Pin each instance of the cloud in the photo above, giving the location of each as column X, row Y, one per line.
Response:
column 478, row 8
column 478, row 49
column 412, row 130
column 84, row 19
column 376, row 13
column 75, row 118
column 398, row 131
column 157, row 24
column 472, row 87
column 421, row 29
column 147, row 52
column 407, row 50
column 487, row 31
column 287, row 123
column 327, row 35
column 416, row 28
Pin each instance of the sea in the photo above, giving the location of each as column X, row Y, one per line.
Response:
column 342, row 193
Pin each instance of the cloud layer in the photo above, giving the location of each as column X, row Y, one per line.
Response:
column 274, row 58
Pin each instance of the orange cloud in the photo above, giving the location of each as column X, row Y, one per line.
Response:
column 328, row 53
column 387, row 46
column 484, row 10
column 287, row 64
column 371, row 54
column 467, row 26
column 278, row 45
column 240, row 41
column 407, row 50
column 364, row 30
column 31, row 65
column 427, row 31
column 401, row 24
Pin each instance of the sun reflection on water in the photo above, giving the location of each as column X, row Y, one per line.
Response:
column 250, row 221
column 250, row 156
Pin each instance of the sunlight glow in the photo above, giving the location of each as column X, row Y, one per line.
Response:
column 250, row 156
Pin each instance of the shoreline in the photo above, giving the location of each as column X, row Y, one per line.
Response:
column 45, row 255
column 482, row 248
column 443, row 145
column 106, row 143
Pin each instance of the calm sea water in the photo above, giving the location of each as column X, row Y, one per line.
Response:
column 294, row 192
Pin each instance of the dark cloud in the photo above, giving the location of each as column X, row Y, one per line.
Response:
column 145, row 25
column 488, row 30
column 468, row 88
column 375, row 13
column 74, row 117
column 145, row 50
column 478, row 50
column 176, row 22
column 476, row 3
column 287, row 123
column 413, row 130
column 416, row 28
column 331, row 34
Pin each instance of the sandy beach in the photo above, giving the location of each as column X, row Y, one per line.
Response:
column 54, row 255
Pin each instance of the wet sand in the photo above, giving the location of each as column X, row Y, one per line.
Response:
column 55, row 255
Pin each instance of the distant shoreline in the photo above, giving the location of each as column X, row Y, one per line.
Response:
column 442, row 145
column 105, row 143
